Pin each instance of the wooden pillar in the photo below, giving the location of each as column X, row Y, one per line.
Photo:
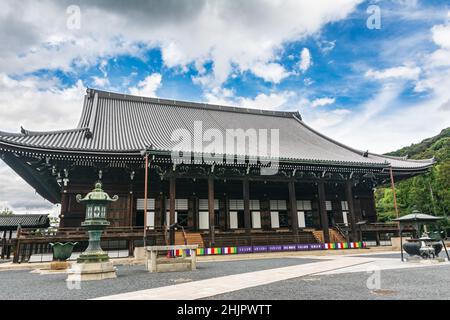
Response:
column 247, row 217
column 196, row 213
column 323, row 211
column 351, row 208
column 172, row 191
column 377, row 238
column 16, row 258
column 191, row 213
column 131, row 213
column 159, row 210
column 64, row 208
column 226, row 212
column 293, row 207
column 211, row 209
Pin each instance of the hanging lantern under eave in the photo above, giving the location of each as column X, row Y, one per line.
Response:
column 95, row 222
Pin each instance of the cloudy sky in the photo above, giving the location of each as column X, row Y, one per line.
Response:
column 374, row 84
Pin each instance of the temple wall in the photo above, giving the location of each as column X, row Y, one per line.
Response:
column 124, row 212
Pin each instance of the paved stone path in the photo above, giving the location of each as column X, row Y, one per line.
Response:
column 211, row 287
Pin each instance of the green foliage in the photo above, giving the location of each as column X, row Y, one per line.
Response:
column 429, row 193
column 6, row 212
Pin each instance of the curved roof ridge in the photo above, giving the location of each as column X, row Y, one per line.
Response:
column 25, row 132
column 10, row 134
column 431, row 160
column 190, row 104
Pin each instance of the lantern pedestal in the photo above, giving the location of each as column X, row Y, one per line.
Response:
column 91, row 271
column 94, row 252
column 94, row 264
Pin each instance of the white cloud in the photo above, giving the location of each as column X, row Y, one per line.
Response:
column 305, row 60
column 148, row 86
column 271, row 101
column 403, row 72
column 383, row 124
column 270, row 72
column 441, row 35
column 100, row 82
column 233, row 35
column 18, row 196
column 322, row 102
column 322, row 120
column 39, row 104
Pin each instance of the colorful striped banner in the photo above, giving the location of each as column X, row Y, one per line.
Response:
column 303, row 247
column 275, row 248
column 260, row 249
column 229, row 250
column 245, row 249
column 290, row 247
column 270, row 248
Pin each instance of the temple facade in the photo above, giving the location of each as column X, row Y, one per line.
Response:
column 318, row 191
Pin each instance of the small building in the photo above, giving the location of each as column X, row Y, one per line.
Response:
column 318, row 183
column 10, row 224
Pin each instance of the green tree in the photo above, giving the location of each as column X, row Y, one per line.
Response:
column 6, row 212
column 429, row 193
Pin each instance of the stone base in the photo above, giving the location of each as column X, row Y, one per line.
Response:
column 170, row 265
column 140, row 253
column 91, row 271
column 59, row 265
column 174, row 267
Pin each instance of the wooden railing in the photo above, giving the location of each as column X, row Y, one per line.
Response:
column 73, row 234
column 379, row 226
column 6, row 248
column 259, row 238
column 31, row 242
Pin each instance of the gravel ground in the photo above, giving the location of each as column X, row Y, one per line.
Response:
column 407, row 284
column 29, row 286
column 393, row 255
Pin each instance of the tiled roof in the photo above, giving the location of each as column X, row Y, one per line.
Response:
column 117, row 123
column 11, row 222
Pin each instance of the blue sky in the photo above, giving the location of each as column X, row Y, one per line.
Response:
column 373, row 89
column 341, row 52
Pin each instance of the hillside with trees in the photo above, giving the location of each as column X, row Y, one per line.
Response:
column 429, row 193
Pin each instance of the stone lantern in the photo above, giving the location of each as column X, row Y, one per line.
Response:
column 95, row 222
column 94, row 264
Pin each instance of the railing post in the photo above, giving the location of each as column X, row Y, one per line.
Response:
column 3, row 248
column 17, row 249
column 130, row 248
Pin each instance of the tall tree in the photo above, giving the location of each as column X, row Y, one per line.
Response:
column 429, row 193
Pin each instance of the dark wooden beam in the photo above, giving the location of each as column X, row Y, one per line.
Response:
column 293, row 206
column 195, row 213
column 172, row 191
column 64, row 207
column 211, row 209
column 323, row 211
column 351, row 208
column 247, row 217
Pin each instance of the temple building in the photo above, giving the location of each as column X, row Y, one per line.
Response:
column 320, row 187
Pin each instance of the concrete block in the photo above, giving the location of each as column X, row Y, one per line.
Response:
column 91, row 271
